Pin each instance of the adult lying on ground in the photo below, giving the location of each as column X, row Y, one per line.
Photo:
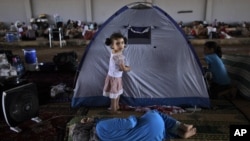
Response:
column 152, row 126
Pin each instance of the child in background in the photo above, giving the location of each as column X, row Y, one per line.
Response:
column 220, row 83
column 113, row 87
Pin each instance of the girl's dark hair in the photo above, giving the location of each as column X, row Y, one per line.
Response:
column 215, row 46
column 115, row 36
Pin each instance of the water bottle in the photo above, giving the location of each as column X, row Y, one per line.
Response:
column 17, row 63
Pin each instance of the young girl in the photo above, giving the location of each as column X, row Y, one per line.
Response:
column 113, row 87
column 220, row 84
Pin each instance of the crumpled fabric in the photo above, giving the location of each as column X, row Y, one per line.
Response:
column 84, row 132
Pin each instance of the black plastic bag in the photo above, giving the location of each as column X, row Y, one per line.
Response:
column 66, row 61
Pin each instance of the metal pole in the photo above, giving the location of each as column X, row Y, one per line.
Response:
column 60, row 37
column 50, row 36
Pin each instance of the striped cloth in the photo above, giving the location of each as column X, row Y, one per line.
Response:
column 238, row 67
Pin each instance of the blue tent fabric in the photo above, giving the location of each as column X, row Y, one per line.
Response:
column 165, row 71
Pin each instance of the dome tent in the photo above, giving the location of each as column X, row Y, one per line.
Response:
column 165, row 67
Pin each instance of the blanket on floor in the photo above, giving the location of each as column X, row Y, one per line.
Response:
column 211, row 124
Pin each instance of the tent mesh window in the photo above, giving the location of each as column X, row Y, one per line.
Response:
column 139, row 35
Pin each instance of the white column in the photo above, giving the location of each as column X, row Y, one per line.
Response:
column 28, row 10
column 88, row 10
column 209, row 11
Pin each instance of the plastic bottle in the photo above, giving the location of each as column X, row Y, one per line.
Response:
column 17, row 63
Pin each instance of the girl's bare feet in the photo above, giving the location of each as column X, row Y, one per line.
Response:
column 115, row 112
column 109, row 108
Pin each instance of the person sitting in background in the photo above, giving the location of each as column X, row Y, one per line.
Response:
column 220, row 84
column 201, row 31
column 30, row 34
column 24, row 26
column 188, row 32
column 245, row 30
column 181, row 24
column 223, row 31
column 46, row 31
column 151, row 126
column 20, row 31
column 12, row 27
column 211, row 32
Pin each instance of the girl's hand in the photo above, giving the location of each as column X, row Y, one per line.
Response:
column 127, row 68
column 124, row 68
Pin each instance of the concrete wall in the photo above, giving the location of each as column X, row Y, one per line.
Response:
column 231, row 10
column 196, row 8
column 12, row 10
column 103, row 9
column 100, row 10
column 66, row 9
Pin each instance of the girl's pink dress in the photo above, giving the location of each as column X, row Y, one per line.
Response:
column 113, row 83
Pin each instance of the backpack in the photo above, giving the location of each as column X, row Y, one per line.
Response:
column 66, row 61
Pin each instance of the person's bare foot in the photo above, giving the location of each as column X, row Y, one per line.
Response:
column 188, row 133
column 185, row 127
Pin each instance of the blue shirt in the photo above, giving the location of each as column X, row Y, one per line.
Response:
column 218, row 69
column 149, row 127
